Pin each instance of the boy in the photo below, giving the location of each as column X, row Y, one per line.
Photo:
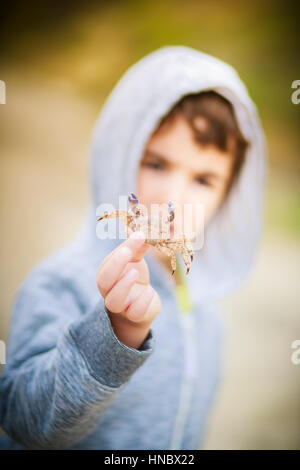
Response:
column 100, row 354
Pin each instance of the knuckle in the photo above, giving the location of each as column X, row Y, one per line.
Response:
column 109, row 304
column 101, row 283
column 99, row 279
column 133, row 312
column 154, row 308
column 112, row 305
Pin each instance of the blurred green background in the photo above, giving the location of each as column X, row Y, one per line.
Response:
column 59, row 63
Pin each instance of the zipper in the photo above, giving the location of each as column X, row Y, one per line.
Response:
column 187, row 322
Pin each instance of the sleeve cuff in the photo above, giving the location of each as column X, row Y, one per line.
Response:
column 110, row 361
column 147, row 343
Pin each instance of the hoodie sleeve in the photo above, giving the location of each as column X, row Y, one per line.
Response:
column 64, row 366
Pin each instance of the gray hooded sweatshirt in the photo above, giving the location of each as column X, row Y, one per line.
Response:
column 69, row 382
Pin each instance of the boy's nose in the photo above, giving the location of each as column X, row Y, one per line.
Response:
column 176, row 190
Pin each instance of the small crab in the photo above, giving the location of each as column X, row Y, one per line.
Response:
column 156, row 232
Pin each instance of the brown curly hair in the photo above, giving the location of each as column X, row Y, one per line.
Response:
column 212, row 119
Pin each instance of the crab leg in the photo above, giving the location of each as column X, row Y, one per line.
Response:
column 126, row 218
column 169, row 252
column 188, row 247
column 185, row 242
column 181, row 248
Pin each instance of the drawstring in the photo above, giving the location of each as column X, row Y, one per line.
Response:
column 190, row 366
column 181, row 292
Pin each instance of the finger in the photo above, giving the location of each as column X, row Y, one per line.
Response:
column 136, row 243
column 115, row 301
column 139, row 307
column 108, row 274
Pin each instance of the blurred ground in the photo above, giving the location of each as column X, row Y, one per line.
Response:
column 258, row 403
column 58, row 75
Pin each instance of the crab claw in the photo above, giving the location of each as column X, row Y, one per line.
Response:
column 132, row 198
column 171, row 211
column 133, row 202
column 102, row 216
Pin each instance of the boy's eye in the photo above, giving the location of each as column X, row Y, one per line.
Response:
column 203, row 181
column 154, row 165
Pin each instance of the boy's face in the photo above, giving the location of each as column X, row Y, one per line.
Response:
column 177, row 168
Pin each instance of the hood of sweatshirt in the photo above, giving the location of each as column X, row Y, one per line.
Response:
column 132, row 111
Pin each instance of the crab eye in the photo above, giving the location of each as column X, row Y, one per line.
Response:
column 171, row 211
column 132, row 198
